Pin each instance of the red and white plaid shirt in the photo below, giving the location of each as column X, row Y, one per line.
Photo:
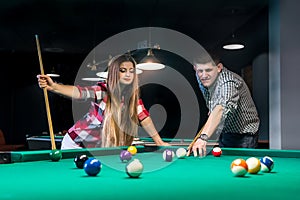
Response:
column 88, row 128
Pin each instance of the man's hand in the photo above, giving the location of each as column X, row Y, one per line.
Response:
column 198, row 149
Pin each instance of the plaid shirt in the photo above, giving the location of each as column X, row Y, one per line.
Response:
column 230, row 91
column 89, row 127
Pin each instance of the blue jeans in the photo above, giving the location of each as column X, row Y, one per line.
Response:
column 237, row 140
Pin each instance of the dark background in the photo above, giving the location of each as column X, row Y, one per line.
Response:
column 69, row 30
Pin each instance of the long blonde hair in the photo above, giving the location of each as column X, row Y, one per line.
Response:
column 121, row 119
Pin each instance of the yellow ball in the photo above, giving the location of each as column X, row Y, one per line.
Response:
column 132, row 150
column 253, row 165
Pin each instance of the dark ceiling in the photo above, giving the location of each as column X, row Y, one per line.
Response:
column 77, row 26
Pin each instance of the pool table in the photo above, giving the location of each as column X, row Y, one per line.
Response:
column 43, row 142
column 31, row 175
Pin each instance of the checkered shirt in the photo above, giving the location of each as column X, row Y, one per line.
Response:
column 89, row 127
column 230, row 91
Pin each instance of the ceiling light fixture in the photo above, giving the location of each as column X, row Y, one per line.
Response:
column 92, row 74
column 138, row 71
column 54, row 49
column 150, row 62
column 93, row 79
column 233, row 44
column 53, row 73
column 104, row 75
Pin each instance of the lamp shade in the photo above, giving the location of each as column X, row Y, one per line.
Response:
column 102, row 74
column 138, row 71
column 53, row 75
column 92, row 76
column 233, row 46
column 150, row 62
column 92, row 79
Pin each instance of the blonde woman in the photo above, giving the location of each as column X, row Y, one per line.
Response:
column 116, row 109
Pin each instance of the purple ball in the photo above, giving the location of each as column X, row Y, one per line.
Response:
column 125, row 156
column 168, row 155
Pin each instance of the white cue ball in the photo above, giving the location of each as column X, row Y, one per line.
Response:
column 181, row 152
column 134, row 168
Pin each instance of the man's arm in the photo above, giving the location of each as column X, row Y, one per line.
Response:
column 211, row 125
column 213, row 121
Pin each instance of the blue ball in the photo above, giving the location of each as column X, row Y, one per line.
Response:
column 92, row 166
column 267, row 164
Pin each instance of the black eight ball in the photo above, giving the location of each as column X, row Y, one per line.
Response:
column 79, row 160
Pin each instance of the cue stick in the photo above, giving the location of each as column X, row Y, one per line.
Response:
column 195, row 139
column 53, row 146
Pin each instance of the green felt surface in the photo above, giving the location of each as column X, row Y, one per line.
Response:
column 187, row 178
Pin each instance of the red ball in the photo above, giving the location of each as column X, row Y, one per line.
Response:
column 217, row 151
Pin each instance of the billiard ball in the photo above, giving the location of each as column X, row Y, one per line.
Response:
column 181, row 152
column 92, row 166
column 55, row 155
column 168, row 155
column 217, row 151
column 132, row 150
column 125, row 156
column 134, row 168
column 253, row 165
column 239, row 167
column 267, row 164
column 79, row 160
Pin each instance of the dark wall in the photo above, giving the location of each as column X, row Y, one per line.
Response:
column 22, row 103
column 23, row 111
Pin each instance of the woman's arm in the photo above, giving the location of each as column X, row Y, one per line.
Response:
column 149, row 127
column 71, row 91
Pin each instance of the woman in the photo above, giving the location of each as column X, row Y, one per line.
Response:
column 116, row 109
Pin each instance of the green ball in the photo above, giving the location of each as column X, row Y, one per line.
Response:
column 55, row 155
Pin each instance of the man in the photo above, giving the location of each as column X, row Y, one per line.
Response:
column 232, row 112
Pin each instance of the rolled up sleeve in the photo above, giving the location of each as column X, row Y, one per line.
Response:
column 142, row 111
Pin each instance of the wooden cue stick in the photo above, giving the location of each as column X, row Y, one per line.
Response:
column 53, row 146
column 195, row 139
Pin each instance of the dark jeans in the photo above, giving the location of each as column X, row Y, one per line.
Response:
column 238, row 140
